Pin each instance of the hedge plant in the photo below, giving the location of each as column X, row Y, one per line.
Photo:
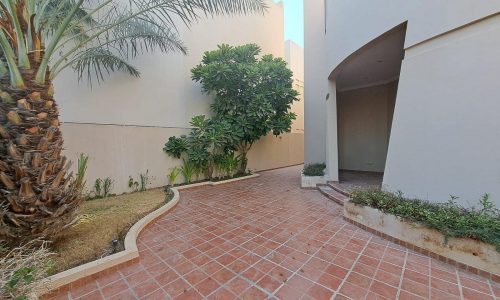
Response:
column 481, row 223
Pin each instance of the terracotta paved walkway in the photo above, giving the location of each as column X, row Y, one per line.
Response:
column 266, row 238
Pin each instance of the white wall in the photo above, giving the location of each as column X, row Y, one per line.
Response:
column 294, row 55
column 124, row 123
column 364, row 121
column 315, row 86
column 446, row 133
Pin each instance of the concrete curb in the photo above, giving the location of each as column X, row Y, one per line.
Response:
column 131, row 251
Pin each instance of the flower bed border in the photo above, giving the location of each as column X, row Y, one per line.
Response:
column 80, row 275
column 364, row 216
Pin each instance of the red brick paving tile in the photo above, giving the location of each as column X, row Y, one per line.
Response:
column 445, row 286
column 444, row 275
column 344, row 262
column 145, row 288
column 191, row 253
column 269, row 283
column 125, row 295
column 415, row 276
column 341, row 297
column 353, row 291
column 253, row 274
column 414, row 266
column 320, row 293
column 211, row 267
column 265, row 266
column 83, row 289
column 253, row 293
column 280, row 274
column 158, row 269
column 207, row 286
column 190, row 294
column 480, row 286
column 329, row 281
column 166, row 277
column 390, row 268
column 195, row 276
column 137, row 278
column 224, row 275
column 108, row 278
column 288, row 292
column 222, row 294
column 95, row 295
column 475, row 295
column 440, row 295
column 300, row 283
column 157, row 295
column 176, row 287
column 336, row 271
column 237, row 286
column 114, row 288
column 226, row 259
column 409, row 296
column 359, row 280
column 384, row 290
column 415, row 287
column 388, row 278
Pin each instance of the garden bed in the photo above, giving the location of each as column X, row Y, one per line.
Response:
column 101, row 222
column 470, row 254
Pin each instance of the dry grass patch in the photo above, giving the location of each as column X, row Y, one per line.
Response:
column 102, row 221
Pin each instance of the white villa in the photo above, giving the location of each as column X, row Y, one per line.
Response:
column 407, row 90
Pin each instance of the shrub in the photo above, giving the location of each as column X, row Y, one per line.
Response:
column 482, row 223
column 315, row 170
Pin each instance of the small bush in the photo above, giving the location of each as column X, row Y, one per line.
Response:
column 315, row 170
column 480, row 223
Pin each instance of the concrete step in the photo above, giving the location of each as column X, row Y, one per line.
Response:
column 332, row 194
column 339, row 188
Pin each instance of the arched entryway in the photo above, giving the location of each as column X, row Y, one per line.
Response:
column 366, row 88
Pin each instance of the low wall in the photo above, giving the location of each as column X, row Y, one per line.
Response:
column 473, row 255
column 122, row 151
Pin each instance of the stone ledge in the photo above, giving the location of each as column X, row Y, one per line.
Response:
column 311, row 182
column 80, row 275
column 467, row 254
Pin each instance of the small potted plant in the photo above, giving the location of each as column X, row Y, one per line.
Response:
column 312, row 175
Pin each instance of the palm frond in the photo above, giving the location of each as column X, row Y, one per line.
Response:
column 98, row 62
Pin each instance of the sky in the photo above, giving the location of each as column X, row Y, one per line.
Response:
column 294, row 21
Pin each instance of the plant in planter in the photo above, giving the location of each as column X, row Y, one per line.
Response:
column 38, row 40
column 312, row 175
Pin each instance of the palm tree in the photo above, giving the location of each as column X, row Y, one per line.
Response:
column 39, row 39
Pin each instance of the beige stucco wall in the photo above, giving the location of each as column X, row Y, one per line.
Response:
column 445, row 133
column 364, row 121
column 123, row 123
column 294, row 55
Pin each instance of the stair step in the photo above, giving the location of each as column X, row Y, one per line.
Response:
column 337, row 187
column 332, row 194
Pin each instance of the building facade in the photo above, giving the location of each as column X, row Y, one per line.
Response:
column 407, row 89
column 124, row 122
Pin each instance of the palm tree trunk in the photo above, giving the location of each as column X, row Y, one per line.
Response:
column 37, row 197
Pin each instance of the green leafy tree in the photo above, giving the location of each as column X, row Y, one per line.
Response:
column 38, row 40
column 252, row 94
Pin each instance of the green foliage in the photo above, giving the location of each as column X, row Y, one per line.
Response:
column 102, row 188
column 481, row 223
column 253, row 95
column 188, row 170
column 226, row 164
column 314, row 170
column 81, row 171
column 172, row 176
column 142, row 184
column 175, row 147
column 207, row 139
